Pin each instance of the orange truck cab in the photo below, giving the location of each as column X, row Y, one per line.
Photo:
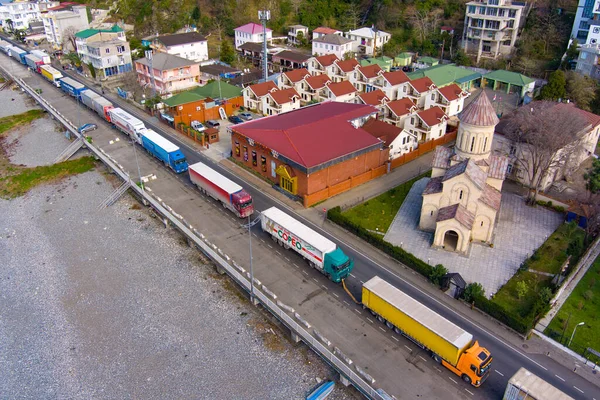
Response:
column 473, row 364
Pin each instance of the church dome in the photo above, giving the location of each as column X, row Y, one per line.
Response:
column 479, row 112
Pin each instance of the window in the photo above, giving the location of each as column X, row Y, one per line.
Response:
column 273, row 167
column 254, row 158
column 493, row 2
column 432, row 96
column 237, row 148
column 287, row 185
column 107, row 51
column 120, row 49
column 245, row 153
column 509, row 168
column 485, row 143
column 431, row 213
column 263, row 163
column 482, row 10
column 481, row 223
column 513, row 150
column 460, row 195
column 472, row 143
column 412, row 120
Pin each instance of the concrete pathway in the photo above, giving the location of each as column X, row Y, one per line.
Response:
column 520, row 231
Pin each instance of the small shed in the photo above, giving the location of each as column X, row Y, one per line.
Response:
column 425, row 62
column 453, row 284
column 509, row 82
column 403, row 59
column 386, row 63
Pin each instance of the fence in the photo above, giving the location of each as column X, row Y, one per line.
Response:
column 423, row 149
column 359, row 379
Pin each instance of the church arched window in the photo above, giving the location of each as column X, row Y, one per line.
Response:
column 472, row 143
column 460, row 194
column 485, row 143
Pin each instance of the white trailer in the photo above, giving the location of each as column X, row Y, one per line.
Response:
column 127, row 123
column 320, row 252
column 41, row 55
column 526, row 385
column 5, row 46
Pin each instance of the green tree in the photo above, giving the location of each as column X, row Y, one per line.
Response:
column 556, row 87
column 437, row 273
column 472, row 291
column 196, row 14
column 92, row 70
column 227, row 53
column 581, row 89
column 10, row 24
column 522, row 289
column 572, row 52
column 460, row 58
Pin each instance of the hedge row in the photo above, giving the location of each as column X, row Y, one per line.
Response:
column 335, row 215
column 488, row 306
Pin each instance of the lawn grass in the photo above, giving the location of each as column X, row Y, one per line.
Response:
column 378, row 213
column 583, row 305
column 508, row 298
column 12, row 121
column 16, row 181
column 553, row 253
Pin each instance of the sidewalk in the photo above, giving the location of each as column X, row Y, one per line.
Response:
column 535, row 347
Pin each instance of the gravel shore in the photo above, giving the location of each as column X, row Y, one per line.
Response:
column 110, row 304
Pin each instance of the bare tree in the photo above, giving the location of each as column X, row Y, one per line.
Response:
column 68, row 38
column 545, row 135
column 424, row 20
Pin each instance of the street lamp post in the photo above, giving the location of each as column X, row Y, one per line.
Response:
column 250, row 225
column 573, row 334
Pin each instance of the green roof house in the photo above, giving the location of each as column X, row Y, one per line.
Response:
column 403, row 59
column 425, row 62
column 218, row 90
column 446, row 74
column 386, row 63
column 87, row 33
column 509, row 82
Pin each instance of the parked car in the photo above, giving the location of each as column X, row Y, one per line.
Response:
column 246, row 116
column 211, row 123
column 87, row 127
column 197, row 125
column 235, row 119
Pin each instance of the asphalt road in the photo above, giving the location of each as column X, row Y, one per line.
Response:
column 507, row 359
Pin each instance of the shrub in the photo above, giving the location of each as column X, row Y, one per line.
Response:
column 473, row 290
column 522, row 289
column 545, row 295
column 588, row 294
column 580, row 305
column 497, row 311
column 437, row 273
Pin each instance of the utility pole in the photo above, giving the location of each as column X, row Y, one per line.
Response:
column 264, row 16
column 148, row 54
column 443, row 44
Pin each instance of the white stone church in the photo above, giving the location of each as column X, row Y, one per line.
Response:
column 461, row 202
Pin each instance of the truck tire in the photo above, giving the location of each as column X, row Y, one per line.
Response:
column 437, row 358
column 389, row 324
column 398, row 331
column 380, row 319
column 466, row 378
column 274, row 238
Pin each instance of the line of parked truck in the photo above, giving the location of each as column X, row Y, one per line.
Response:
column 448, row 344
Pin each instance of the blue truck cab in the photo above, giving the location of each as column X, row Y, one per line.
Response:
column 164, row 150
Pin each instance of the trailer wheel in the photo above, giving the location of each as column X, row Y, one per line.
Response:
column 466, row 378
column 437, row 359
column 380, row 319
column 398, row 331
column 389, row 324
column 274, row 238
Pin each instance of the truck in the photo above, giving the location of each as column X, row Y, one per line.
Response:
column 18, row 54
column 164, row 150
column 72, row 87
column 42, row 55
column 448, row 344
column 101, row 106
column 51, row 74
column 526, row 385
column 320, row 252
column 231, row 195
column 5, row 46
column 127, row 123
column 33, row 62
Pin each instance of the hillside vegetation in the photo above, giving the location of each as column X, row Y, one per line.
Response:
column 414, row 24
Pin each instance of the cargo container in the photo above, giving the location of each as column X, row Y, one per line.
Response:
column 72, row 87
column 51, row 74
column 526, row 385
column 42, row 55
column 127, row 123
column 33, row 62
column 320, row 252
column 18, row 54
column 231, row 195
column 164, row 150
column 101, row 106
column 87, row 98
column 5, row 46
column 449, row 344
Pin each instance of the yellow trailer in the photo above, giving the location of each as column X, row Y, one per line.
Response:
column 449, row 344
column 51, row 74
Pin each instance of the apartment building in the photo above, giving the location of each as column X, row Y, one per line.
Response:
column 296, row 32
column 367, row 41
column 17, row 15
column 587, row 12
column 57, row 19
column 250, row 32
column 106, row 49
column 190, row 45
column 492, row 27
column 332, row 44
column 171, row 73
column 588, row 61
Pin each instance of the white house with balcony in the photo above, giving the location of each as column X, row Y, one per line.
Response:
column 363, row 78
column 342, row 92
column 255, row 96
column 106, row 49
column 418, row 90
column 492, row 27
column 251, row 32
column 57, row 19
column 281, row 101
column 332, row 44
column 392, row 83
column 295, row 32
column 171, row 73
column 322, row 64
column 450, row 99
column 323, row 30
column 189, row 45
column 396, row 112
column 427, row 124
column 343, row 70
column 367, row 41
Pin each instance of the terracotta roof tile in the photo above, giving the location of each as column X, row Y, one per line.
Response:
column 327, row 59
column 441, row 157
column 293, row 134
column 470, row 169
column 422, row 84
column 401, row 107
column 452, row 92
column 385, row 132
column 284, row 96
column 296, row 75
column 479, row 112
column 458, row 212
column 374, row 98
column 341, row 88
column 591, row 118
column 396, row 77
column 491, row 196
column 432, row 116
column 317, row 81
column 324, row 30
column 347, row 65
column 498, row 166
column 370, row 71
column 261, row 89
column 434, row 185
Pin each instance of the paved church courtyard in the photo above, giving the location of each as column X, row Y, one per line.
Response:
column 520, row 231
